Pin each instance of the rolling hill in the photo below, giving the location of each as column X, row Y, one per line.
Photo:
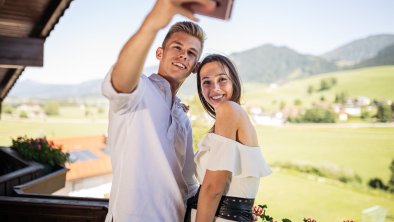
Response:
column 27, row 88
column 270, row 63
column 261, row 65
column 384, row 57
column 361, row 49
column 374, row 82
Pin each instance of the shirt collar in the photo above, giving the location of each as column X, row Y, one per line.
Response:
column 164, row 86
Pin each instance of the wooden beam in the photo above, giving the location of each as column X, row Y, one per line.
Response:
column 55, row 11
column 21, row 51
column 11, row 77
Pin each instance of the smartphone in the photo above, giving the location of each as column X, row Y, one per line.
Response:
column 222, row 11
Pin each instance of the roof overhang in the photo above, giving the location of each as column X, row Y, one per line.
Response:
column 24, row 26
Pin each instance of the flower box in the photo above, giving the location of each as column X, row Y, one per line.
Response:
column 15, row 171
column 46, row 184
column 21, row 176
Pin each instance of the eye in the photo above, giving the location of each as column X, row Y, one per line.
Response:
column 177, row 48
column 222, row 79
column 191, row 53
column 206, row 82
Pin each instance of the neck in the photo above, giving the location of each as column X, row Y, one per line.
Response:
column 174, row 88
column 174, row 85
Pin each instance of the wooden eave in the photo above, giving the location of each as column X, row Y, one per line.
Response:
column 24, row 26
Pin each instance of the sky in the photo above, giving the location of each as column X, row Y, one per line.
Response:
column 87, row 39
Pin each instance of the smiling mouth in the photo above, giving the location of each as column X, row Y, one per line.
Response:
column 179, row 65
column 218, row 97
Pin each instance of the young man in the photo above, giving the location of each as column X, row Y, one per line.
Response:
column 149, row 135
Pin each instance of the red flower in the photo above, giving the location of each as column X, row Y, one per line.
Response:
column 258, row 211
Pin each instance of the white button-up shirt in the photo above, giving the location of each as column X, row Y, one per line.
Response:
column 151, row 148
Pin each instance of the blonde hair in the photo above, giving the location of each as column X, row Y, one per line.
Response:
column 189, row 28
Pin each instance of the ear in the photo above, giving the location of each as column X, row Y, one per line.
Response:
column 194, row 70
column 159, row 53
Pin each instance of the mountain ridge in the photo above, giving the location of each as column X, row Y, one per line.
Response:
column 264, row 64
column 360, row 49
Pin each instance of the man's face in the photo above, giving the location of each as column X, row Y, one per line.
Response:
column 178, row 57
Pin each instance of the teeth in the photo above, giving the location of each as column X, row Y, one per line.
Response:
column 217, row 97
column 180, row 65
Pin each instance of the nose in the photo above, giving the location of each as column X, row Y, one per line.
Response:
column 216, row 87
column 182, row 54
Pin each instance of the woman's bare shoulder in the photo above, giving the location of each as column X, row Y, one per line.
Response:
column 233, row 120
column 229, row 108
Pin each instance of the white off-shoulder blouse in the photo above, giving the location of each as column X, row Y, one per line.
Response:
column 246, row 164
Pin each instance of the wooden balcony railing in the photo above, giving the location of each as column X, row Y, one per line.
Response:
column 22, row 185
column 32, row 208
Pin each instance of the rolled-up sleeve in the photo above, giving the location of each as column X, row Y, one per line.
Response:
column 121, row 103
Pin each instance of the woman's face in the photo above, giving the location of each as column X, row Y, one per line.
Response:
column 216, row 84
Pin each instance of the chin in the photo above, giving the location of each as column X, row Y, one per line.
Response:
column 215, row 104
column 182, row 74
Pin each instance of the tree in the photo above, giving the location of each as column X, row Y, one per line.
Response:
column 333, row 81
column 319, row 115
column 377, row 183
column 88, row 113
column 100, row 110
column 23, row 115
column 384, row 114
column 341, row 97
column 51, row 108
column 365, row 114
column 391, row 181
column 8, row 109
column 324, row 85
column 282, row 105
column 311, row 89
column 297, row 102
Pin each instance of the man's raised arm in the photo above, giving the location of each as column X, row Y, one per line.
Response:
column 128, row 67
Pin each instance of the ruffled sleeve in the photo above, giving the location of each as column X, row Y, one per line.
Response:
column 222, row 153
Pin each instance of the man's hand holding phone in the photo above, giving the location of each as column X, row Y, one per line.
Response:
column 222, row 10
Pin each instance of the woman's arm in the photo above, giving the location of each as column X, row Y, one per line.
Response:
column 215, row 182
column 211, row 191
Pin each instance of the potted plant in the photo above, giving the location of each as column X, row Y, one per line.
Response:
column 47, row 154
column 40, row 150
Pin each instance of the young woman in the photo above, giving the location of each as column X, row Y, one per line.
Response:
column 229, row 162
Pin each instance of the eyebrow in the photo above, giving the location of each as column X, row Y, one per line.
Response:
column 180, row 43
column 219, row 74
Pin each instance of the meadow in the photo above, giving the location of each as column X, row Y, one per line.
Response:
column 365, row 150
column 50, row 128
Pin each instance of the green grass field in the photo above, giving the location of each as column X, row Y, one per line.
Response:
column 375, row 82
column 294, row 197
column 74, row 112
column 365, row 151
column 51, row 129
